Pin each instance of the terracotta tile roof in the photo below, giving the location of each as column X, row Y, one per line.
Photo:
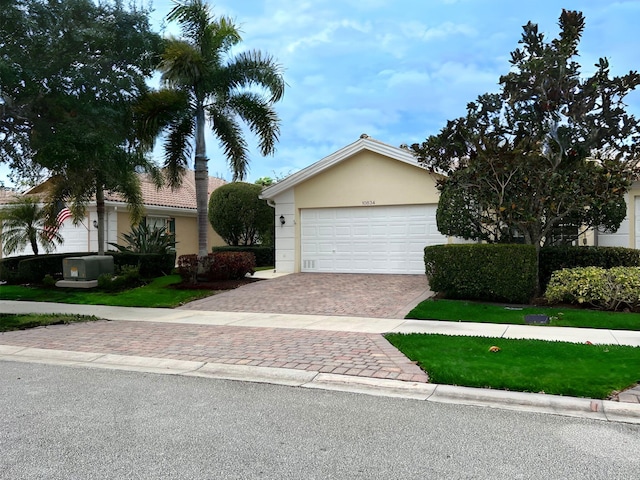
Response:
column 8, row 196
column 183, row 197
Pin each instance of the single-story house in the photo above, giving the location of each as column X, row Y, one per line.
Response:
column 371, row 208
column 367, row 208
column 164, row 207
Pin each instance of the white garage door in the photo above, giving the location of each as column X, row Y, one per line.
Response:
column 378, row 239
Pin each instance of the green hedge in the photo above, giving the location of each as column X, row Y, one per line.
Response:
column 265, row 256
column 151, row 265
column 492, row 272
column 33, row 268
column 557, row 258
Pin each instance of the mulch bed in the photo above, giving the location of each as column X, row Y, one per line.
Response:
column 217, row 285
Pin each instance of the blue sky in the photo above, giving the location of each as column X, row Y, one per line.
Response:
column 398, row 69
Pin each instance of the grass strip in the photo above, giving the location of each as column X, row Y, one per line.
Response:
column 558, row 368
column 156, row 294
column 9, row 322
column 467, row 311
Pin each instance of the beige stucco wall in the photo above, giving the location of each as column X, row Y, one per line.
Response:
column 187, row 236
column 364, row 178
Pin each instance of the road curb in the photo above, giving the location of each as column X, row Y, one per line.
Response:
column 529, row 402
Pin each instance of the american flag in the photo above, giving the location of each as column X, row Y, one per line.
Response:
column 63, row 214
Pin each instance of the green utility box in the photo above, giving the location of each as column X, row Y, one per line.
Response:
column 82, row 269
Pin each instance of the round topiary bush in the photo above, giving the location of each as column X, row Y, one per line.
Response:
column 238, row 215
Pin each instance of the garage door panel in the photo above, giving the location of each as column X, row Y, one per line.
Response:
column 379, row 239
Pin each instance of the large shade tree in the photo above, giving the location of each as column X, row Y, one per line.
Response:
column 203, row 81
column 69, row 73
column 551, row 149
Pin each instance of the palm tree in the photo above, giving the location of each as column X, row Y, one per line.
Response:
column 203, row 81
column 24, row 222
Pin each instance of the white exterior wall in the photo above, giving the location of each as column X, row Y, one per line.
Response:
column 81, row 238
column 285, row 234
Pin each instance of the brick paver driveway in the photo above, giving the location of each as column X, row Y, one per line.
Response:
column 376, row 296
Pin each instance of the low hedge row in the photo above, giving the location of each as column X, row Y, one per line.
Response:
column 493, row 272
column 33, row 268
column 556, row 258
column 613, row 288
column 265, row 256
column 151, row 265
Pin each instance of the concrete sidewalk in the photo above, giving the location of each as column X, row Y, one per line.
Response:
column 352, row 356
column 332, row 323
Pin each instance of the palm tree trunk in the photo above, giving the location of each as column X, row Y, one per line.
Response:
column 100, row 210
column 202, row 183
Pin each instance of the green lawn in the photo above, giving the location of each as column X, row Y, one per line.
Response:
column 467, row 311
column 155, row 294
column 559, row 368
column 10, row 322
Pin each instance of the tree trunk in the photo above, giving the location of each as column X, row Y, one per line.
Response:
column 202, row 183
column 33, row 240
column 100, row 210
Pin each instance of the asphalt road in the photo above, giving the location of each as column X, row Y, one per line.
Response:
column 79, row 423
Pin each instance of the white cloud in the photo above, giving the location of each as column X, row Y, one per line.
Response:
column 345, row 124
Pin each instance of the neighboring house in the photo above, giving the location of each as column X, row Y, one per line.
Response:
column 175, row 209
column 367, row 208
column 628, row 235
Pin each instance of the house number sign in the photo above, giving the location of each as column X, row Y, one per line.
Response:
column 368, row 203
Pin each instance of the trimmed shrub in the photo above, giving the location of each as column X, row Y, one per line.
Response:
column 265, row 256
column 231, row 265
column 557, row 258
column 238, row 215
column 48, row 281
column 188, row 268
column 127, row 277
column 490, row 272
column 614, row 288
column 216, row 266
column 150, row 264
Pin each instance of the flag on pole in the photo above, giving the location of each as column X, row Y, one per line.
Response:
column 63, row 214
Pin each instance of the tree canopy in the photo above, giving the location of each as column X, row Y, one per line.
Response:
column 550, row 149
column 67, row 109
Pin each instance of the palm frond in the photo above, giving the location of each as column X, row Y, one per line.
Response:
column 253, row 68
column 178, row 149
column 261, row 118
column 155, row 111
column 182, row 64
column 232, row 141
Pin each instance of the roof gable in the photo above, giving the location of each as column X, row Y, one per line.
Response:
column 363, row 143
